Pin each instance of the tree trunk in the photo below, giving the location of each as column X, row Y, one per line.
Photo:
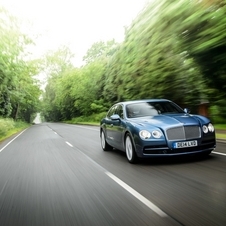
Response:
column 16, row 113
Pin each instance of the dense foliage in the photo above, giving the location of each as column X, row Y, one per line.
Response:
column 19, row 91
column 174, row 49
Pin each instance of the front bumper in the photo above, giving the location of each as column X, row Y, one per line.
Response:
column 165, row 149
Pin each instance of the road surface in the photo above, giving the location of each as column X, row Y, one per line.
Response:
column 57, row 174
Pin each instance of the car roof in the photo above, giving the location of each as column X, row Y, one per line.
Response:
column 142, row 100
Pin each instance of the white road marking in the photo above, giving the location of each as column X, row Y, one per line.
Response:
column 69, row 144
column 218, row 153
column 12, row 140
column 137, row 195
column 55, row 133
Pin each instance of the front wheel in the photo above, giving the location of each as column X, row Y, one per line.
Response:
column 206, row 154
column 130, row 151
column 105, row 146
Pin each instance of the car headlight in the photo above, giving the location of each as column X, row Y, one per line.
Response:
column 156, row 134
column 205, row 129
column 210, row 127
column 144, row 134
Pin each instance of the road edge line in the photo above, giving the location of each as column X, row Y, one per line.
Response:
column 137, row 195
column 12, row 140
column 218, row 153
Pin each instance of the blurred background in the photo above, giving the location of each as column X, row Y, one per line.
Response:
column 174, row 49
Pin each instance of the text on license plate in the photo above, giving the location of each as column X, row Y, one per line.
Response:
column 185, row 144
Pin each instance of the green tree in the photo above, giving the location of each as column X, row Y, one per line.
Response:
column 91, row 87
column 100, row 50
column 26, row 93
column 56, row 66
column 173, row 49
column 204, row 38
column 156, row 59
column 17, row 86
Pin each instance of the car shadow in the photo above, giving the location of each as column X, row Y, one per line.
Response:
column 169, row 160
column 175, row 160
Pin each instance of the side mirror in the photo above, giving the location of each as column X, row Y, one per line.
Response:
column 115, row 117
column 186, row 110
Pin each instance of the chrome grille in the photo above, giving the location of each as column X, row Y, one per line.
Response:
column 183, row 133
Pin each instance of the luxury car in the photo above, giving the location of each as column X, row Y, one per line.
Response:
column 154, row 128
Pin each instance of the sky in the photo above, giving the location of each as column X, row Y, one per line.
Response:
column 74, row 23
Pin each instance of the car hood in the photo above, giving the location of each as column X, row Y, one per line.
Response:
column 172, row 120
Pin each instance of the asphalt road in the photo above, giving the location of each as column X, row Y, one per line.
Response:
column 57, row 174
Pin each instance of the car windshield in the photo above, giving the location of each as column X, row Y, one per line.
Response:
column 151, row 109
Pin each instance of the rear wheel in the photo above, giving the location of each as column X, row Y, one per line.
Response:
column 130, row 151
column 105, row 146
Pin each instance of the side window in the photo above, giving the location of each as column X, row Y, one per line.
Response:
column 111, row 111
column 119, row 111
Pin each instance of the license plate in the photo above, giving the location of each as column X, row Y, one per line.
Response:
column 185, row 144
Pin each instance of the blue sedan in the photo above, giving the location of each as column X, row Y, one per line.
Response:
column 154, row 128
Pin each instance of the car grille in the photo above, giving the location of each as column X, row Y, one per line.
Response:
column 183, row 133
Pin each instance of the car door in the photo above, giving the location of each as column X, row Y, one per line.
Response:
column 109, row 126
column 117, row 127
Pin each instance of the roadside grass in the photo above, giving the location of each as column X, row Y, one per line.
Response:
column 87, row 120
column 83, row 123
column 220, row 126
column 220, row 131
column 221, row 136
column 14, row 127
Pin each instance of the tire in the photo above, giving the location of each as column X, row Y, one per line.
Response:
column 206, row 154
column 105, row 146
column 130, row 150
